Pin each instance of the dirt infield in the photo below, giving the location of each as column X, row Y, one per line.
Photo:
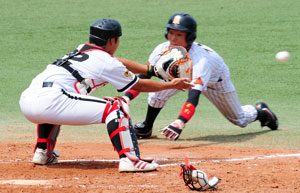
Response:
column 93, row 168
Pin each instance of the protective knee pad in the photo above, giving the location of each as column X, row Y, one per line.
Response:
column 114, row 108
column 47, row 133
column 123, row 138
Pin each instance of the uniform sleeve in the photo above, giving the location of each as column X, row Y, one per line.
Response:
column 156, row 53
column 120, row 77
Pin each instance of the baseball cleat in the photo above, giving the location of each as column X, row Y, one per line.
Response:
column 40, row 157
column 148, row 160
column 126, row 165
column 266, row 116
column 142, row 130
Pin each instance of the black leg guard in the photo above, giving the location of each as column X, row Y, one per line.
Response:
column 134, row 139
column 47, row 136
column 123, row 138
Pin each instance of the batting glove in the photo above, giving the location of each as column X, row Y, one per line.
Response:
column 173, row 131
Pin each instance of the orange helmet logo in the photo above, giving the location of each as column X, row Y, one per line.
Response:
column 176, row 19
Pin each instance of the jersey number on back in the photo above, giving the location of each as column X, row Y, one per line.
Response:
column 80, row 57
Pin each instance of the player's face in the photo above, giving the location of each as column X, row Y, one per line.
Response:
column 177, row 38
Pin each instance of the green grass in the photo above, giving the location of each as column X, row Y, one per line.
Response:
column 246, row 33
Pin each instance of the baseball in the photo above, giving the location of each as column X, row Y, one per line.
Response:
column 283, row 56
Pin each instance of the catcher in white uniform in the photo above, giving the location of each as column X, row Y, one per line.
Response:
column 210, row 77
column 60, row 96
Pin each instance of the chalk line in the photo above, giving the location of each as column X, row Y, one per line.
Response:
column 175, row 164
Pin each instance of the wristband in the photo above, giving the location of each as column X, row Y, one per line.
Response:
column 131, row 94
column 150, row 70
column 187, row 111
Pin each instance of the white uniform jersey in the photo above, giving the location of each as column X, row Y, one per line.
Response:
column 208, row 66
column 211, row 76
column 96, row 65
column 53, row 96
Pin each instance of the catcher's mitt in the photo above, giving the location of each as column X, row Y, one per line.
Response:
column 174, row 63
column 196, row 179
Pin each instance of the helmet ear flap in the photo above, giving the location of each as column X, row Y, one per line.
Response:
column 166, row 33
column 190, row 38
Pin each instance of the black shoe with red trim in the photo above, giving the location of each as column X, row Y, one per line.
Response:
column 266, row 116
column 143, row 130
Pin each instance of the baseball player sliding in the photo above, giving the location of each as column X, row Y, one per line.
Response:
column 211, row 78
column 60, row 96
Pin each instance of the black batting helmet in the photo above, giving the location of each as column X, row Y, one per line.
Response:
column 103, row 30
column 185, row 23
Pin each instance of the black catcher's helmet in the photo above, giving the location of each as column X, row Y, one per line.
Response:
column 103, row 30
column 183, row 22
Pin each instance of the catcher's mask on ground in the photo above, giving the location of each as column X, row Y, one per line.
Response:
column 185, row 23
column 196, row 179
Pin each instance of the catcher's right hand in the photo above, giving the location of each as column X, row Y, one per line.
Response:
column 173, row 131
column 174, row 63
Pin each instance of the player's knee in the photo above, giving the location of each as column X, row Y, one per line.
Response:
column 157, row 103
column 115, row 109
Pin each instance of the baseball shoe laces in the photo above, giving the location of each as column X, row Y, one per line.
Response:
column 40, row 157
column 126, row 165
